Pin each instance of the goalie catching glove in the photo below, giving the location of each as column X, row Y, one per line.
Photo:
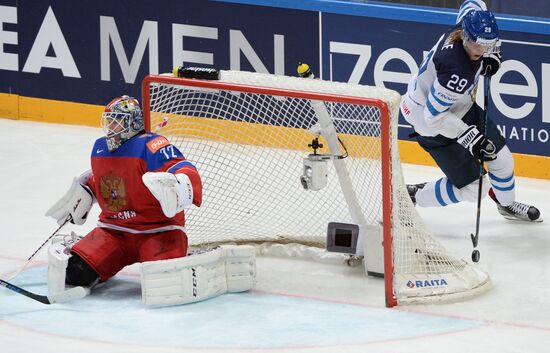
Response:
column 174, row 192
column 478, row 145
column 75, row 204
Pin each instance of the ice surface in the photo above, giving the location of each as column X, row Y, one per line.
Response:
column 297, row 306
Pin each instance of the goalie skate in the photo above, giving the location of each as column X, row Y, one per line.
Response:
column 518, row 211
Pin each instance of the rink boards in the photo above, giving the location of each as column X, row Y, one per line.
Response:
column 62, row 63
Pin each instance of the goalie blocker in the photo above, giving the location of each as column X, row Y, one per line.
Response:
column 225, row 269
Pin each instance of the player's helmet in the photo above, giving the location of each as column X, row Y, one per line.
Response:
column 121, row 120
column 480, row 27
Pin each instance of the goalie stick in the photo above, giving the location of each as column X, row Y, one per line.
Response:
column 39, row 248
column 68, row 295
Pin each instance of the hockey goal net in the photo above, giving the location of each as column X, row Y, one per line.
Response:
column 248, row 134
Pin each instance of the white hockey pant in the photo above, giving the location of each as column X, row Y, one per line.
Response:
column 197, row 277
column 442, row 192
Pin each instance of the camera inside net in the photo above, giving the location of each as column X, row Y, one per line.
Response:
column 314, row 176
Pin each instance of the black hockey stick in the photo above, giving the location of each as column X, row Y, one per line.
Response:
column 475, row 238
column 39, row 248
column 70, row 294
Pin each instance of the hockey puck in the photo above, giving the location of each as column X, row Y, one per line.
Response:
column 475, row 255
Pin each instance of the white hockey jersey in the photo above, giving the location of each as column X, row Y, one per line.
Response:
column 445, row 85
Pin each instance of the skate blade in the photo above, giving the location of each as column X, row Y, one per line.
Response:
column 517, row 219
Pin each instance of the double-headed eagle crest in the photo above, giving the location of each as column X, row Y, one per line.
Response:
column 113, row 191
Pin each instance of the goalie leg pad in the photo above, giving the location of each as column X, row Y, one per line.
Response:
column 58, row 259
column 240, row 267
column 199, row 276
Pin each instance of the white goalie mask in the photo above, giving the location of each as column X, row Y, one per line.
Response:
column 121, row 120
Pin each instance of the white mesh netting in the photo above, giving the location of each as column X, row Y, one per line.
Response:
column 248, row 148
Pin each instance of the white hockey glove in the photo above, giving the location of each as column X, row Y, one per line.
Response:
column 478, row 145
column 76, row 203
column 174, row 192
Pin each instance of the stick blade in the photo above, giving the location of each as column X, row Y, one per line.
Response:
column 474, row 239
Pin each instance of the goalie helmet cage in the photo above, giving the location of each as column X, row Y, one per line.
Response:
column 248, row 133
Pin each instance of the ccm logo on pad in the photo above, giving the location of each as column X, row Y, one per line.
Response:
column 156, row 144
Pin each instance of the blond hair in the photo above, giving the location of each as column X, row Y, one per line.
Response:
column 455, row 36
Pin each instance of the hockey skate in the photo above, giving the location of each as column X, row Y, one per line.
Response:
column 518, row 211
column 412, row 189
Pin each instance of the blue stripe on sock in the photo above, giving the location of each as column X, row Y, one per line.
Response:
column 501, row 180
column 507, row 188
column 438, row 193
column 451, row 192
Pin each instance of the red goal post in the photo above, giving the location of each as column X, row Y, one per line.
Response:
column 245, row 115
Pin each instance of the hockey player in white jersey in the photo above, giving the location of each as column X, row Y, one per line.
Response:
column 440, row 106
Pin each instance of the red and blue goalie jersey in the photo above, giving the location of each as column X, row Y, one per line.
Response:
column 126, row 203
